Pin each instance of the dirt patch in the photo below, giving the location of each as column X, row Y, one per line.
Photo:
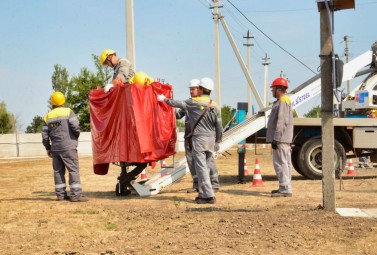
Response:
column 243, row 221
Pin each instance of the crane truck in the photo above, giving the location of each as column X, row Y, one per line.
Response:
column 355, row 134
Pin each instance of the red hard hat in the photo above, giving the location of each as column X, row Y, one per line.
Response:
column 279, row 82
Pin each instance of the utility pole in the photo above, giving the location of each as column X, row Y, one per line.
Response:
column 326, row 9
column 217, row 52
column 130, row 32
column 248, row 89
column 266, row 63
column 328, row 180
column 347, row 54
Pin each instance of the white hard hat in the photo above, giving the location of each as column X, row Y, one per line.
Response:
column 206, row 83
column 194, row 83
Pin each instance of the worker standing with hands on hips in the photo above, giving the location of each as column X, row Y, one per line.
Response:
column 214, row 176
column 206, row 134
column 280, row 135
column 60, row 134
column 123, row 68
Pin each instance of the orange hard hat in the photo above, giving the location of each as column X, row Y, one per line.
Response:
column 279, row 82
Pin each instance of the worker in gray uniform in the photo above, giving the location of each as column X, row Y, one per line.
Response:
column 123, row 68
column 60, row 134
column 214, row 176
column 280, row 135
column 206, row 134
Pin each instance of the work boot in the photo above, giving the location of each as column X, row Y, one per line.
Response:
column 279, row 194
column 81, row 198
column 65, row 198
column 207, row 200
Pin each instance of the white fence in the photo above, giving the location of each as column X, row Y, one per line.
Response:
column 30, row 145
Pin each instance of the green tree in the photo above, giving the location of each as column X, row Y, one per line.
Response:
column 76, row 89
column 81, row 85
column 36, row 125
column 180, row 125
column 315, row 112
column 226, row 114
column 6, row 120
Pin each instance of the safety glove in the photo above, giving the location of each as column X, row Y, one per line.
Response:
column 108, row 87
column 161, row 98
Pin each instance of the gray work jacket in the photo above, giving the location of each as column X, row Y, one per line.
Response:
column 124, row 69
column 60, row 130
column 280, row 122
column 210, row 124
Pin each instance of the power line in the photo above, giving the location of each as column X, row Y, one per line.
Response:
column 271, row 38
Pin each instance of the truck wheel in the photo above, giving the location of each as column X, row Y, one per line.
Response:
column 295, row 158
column 310, row 158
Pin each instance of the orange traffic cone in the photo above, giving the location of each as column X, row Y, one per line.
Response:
column 257, row 177
column 164, row 164
column 351, row 168
column 245, row 171
column 143, row 176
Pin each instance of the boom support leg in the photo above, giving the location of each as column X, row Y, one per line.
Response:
column 123, row 187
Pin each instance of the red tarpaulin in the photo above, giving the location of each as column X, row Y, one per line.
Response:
column 129, row 125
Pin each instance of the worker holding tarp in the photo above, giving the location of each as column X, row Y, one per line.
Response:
column 129, row 126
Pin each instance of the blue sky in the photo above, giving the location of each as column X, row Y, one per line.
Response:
column 174, row 41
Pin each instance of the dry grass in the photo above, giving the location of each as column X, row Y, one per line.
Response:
column 243, row 221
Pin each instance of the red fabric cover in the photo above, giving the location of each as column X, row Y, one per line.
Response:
column 128, row 124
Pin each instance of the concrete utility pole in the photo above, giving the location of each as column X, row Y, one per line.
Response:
column 242, row 64
column 130, row 32
column 347, row 54
column 248, row 89
column 328, row 180
column 326, row 9
column 217, row 52
column 266, row 63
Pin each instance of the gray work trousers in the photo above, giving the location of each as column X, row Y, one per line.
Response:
column 202, row 154
column 214, row 174
column 62, row 160
column 283, row 166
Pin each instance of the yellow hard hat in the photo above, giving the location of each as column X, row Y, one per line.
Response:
column 57, row 98
column 104, row 55
column 141, row 78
